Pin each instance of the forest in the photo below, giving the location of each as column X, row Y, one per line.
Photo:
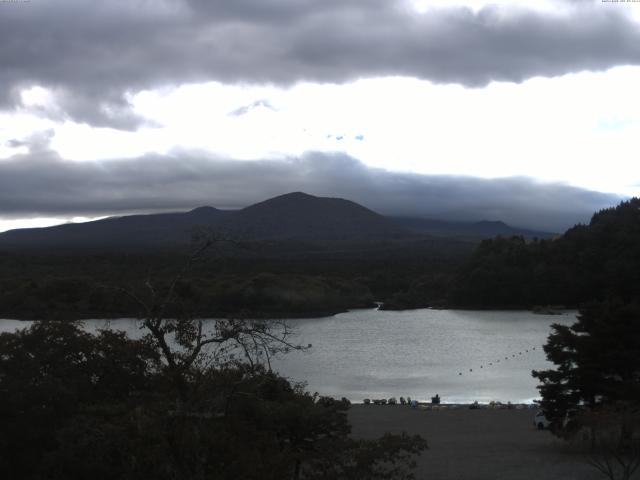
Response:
column 76, row 405
column 585, row 263
column 33, row 286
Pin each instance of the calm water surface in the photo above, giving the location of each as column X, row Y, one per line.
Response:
column 461, row 355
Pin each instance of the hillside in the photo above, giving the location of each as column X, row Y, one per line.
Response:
column 165, row 230
column 466, row 230
column 296, row 255
column 587, row 263
column 295, row 223
column 344, row 253
column 299, row 216
column 294, row 217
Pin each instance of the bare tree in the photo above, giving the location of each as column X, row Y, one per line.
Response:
column 613, row 436
column 190, row 345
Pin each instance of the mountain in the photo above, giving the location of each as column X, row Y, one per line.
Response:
column 469, row 230
column 292, row 217
column 296, row 218
column 299, row 216
column 164, row 230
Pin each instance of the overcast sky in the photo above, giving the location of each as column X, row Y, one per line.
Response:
column 522, row 111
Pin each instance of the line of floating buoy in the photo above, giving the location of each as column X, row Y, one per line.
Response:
column 506, row 358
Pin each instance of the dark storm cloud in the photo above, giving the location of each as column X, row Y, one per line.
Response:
column 93, row 53
column 43, row 184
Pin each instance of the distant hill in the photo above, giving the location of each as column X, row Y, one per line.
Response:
column 164, row 230
column 470, row 230
column 293, row 218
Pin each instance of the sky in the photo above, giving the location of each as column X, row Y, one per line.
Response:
column 522, row 111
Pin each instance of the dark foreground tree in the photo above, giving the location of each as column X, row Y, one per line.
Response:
column 75, row 405
column 593, row 394
column 612, row 437
column 54, row 374
column 597, row 361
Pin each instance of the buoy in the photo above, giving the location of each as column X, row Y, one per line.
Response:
column 482, row 366
column 471, row 369
column 460, row 373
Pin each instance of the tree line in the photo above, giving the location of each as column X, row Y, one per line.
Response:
column 589, row 262
column 592, row 394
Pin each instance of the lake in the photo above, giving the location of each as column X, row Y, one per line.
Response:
column 462, row 355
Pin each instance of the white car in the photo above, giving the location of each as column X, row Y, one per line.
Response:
column 540, row 421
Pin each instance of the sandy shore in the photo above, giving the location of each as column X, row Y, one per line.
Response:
column 476, row 444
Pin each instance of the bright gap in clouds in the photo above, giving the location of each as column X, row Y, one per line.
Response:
column 39, row 222
column 580, row 129
column 475, row 5
column 559, row 7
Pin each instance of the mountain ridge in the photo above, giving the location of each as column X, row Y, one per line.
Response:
column 295, row 216
column 482, row 228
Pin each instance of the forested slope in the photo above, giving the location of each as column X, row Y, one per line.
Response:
column 587, row 263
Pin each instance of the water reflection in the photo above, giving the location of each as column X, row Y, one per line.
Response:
column 461, row 355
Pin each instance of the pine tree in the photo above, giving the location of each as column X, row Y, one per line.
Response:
column 597, row 362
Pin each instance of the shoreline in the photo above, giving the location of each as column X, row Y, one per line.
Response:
column 305, row 315
column 425, row 405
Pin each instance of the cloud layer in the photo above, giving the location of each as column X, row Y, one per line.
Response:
column 43, row 184
column 90, row 55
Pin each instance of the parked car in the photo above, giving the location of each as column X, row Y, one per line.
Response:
column 540, row 421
